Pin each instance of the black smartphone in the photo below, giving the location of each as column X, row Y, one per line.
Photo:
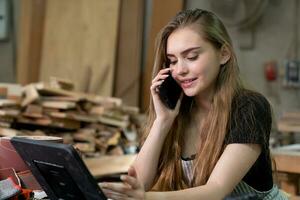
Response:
column 169, row 92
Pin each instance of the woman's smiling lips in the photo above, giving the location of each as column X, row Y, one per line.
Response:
column 187, row 82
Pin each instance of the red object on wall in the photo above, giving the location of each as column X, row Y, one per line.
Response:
column 270, row 71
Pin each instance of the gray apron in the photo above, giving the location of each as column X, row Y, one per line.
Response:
column 244, row 191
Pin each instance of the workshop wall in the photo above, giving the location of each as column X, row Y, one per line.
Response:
column 273, row 40
column 8, row 44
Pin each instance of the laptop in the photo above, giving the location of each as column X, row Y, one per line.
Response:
column 59, row 170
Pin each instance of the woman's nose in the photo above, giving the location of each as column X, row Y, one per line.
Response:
column 181, row 68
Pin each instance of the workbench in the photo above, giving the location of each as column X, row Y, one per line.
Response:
column 106, row 165
column 289, row 125
column 287, row 164
column 287, row 159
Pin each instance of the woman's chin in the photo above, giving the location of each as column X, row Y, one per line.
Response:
column 189, row 93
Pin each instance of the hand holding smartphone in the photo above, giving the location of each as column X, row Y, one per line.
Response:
column 169, row 92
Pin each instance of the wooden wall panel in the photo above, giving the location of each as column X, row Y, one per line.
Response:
column 127, row 77
column 162, row 12
column 79, row 43
column 30, row 38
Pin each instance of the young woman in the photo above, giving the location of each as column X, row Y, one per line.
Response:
column 214, row 144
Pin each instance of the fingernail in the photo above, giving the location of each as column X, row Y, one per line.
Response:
column 122, row 177
column 103, row 184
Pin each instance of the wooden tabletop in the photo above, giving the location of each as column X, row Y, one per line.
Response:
column 287, row 158
column 106, row 165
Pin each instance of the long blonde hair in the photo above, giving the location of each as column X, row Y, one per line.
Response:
column 211, row 144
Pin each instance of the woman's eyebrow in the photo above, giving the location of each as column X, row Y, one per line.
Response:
column 186, row 51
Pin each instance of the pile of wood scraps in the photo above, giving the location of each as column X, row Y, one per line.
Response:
column 94, row 124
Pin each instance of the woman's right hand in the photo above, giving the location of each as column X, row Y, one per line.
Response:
column 162, row 112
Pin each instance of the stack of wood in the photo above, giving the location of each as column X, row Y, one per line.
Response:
column 289, row 122
column 96, row 125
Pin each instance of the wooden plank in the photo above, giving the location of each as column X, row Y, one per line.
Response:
column 287, row 161
column 80, row 42
column 30, row 40
column 127, row 76
column 286, row 127
column 105, row 165
column 162, row 12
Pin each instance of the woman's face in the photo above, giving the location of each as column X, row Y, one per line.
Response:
column 194, row 62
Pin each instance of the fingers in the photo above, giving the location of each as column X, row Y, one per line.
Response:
column 124, row 189
column 132, row 172
column 121, row 198
column 113, row 195
column 163, row 72
column 159, row 79
column 117, row 187
column 118, row 197
column 129, row 189
column 132, row 181
column 119, row 191
column 155, row 86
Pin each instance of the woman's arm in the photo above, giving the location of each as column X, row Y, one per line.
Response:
column 232, row 166
column 147, row 159
column 146, row 162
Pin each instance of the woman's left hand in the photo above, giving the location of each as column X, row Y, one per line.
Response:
column 129, row 189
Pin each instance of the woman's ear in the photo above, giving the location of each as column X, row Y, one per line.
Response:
column 224, row 55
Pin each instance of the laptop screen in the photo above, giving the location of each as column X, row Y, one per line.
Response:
column 59, row 170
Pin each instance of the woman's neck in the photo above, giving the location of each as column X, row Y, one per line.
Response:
column 203, row 102
column 204, row 99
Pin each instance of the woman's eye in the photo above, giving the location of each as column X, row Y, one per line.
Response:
column 173, row 62
column 193, row 57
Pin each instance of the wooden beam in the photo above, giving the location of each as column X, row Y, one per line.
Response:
column 80, row 43
column 128, row 61
column 162, row 12
column 30, row 38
